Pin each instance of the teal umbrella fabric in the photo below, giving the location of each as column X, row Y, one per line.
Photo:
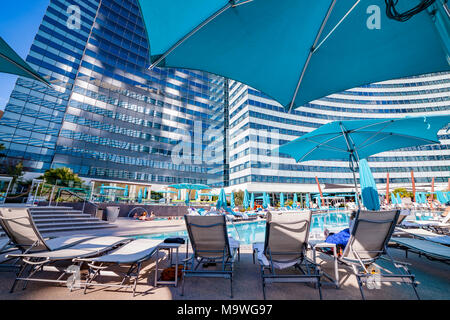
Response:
column 418, row 197
column 232, row 204
column 268, row 200
column 295, row 200
column 12, row 63
column 307, row 201
column 286, row 48
column 441, row 197
column 399, row 199
column 252, row 201
column 190, row 186
column 140, row 196
column 264, row 198
column 359, row 139
column 281, row 200
column 393, row 198
column 246, row 201
column 369, row 192
column 179, row 194
column 222, row 200
column 125, row 193
column 102, row 189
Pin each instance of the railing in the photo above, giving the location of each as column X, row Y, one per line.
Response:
column 73, row 194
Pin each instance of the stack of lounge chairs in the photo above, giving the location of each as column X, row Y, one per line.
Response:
column 35, row 254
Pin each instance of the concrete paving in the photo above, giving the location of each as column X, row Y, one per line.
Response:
column 433, row 277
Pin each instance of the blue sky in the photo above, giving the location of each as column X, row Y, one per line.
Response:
column 19, row 22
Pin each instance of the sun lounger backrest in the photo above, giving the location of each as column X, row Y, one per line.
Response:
column 20, row 228
column 370, row 234
column 286, row 235
column 208, row 236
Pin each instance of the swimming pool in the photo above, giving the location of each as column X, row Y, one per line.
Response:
column 251, row 232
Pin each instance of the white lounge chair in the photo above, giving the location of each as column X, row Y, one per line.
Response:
column 45, row 260
column 431, row 250
column 132, row 255
column 209, row 240
column 368, row 243
column 285, row 246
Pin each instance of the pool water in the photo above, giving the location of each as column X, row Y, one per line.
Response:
column 251, row 232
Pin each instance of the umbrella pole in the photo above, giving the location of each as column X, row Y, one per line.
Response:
column 354, row 179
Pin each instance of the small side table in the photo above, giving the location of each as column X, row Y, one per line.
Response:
column 316, row 244
column 170, row 247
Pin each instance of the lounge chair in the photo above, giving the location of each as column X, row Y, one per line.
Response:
column 19, row 226
column 132, row 254
column 285, row 246
column 368, row 243
column 211, row 245
column 46, row 260
column 423, row 234
column 429, row 249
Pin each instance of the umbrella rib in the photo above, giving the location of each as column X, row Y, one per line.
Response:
column 311, row 51
column 192, row 32
column 35, row 76
column 336, row 26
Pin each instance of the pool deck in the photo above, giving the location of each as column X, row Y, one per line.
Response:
column 433, row 278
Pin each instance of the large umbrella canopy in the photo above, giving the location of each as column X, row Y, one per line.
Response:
column 125, row 193
column 190, row 186
column 281, row 199
column 307, row 200
column 140, row 196
column 369, row 193
column 359, row 139
column 286, row 48
column 252, row 201
column 246, row 201
column 11, row 62
column 399, row 199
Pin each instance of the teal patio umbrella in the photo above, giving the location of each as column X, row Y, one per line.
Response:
column 125, row 193
column 393, row 198
column 179, row 194
column 281, row 200
column 246, row 201
column 353, row 140
column 12, row 63
column 369, row 192
column 140, row 196
column 232, row 204
column 222, row 200
column 268, row 200
column 441, row 197
column 296, row 51
column 294, row 201
column 307, row 201
column 252, row 201
column 399, row 199
column 102, row 189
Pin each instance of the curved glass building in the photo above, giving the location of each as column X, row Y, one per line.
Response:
column 258, row 125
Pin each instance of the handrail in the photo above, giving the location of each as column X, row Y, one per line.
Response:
column 60, row 191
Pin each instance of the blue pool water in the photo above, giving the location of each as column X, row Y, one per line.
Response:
column 251, row 232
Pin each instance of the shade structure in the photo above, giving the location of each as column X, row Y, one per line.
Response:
column 252, row 201
column 12, row 63
column 196, row 195
column 337, row 44
column 232, row 204
column 188, row 197
column 441, row 197
column 102, row 191
column 179, row 194
column 145, row 193
column 246, row 201
column 358, row 139
column 281, row 199
column 417, row 197
column 190, row 186
column 125, row 193
column 369, row 192
column 307, row 200
column 268, row 203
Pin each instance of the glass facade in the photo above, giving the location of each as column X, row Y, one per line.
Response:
column 107, row 116
column 258, row 125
